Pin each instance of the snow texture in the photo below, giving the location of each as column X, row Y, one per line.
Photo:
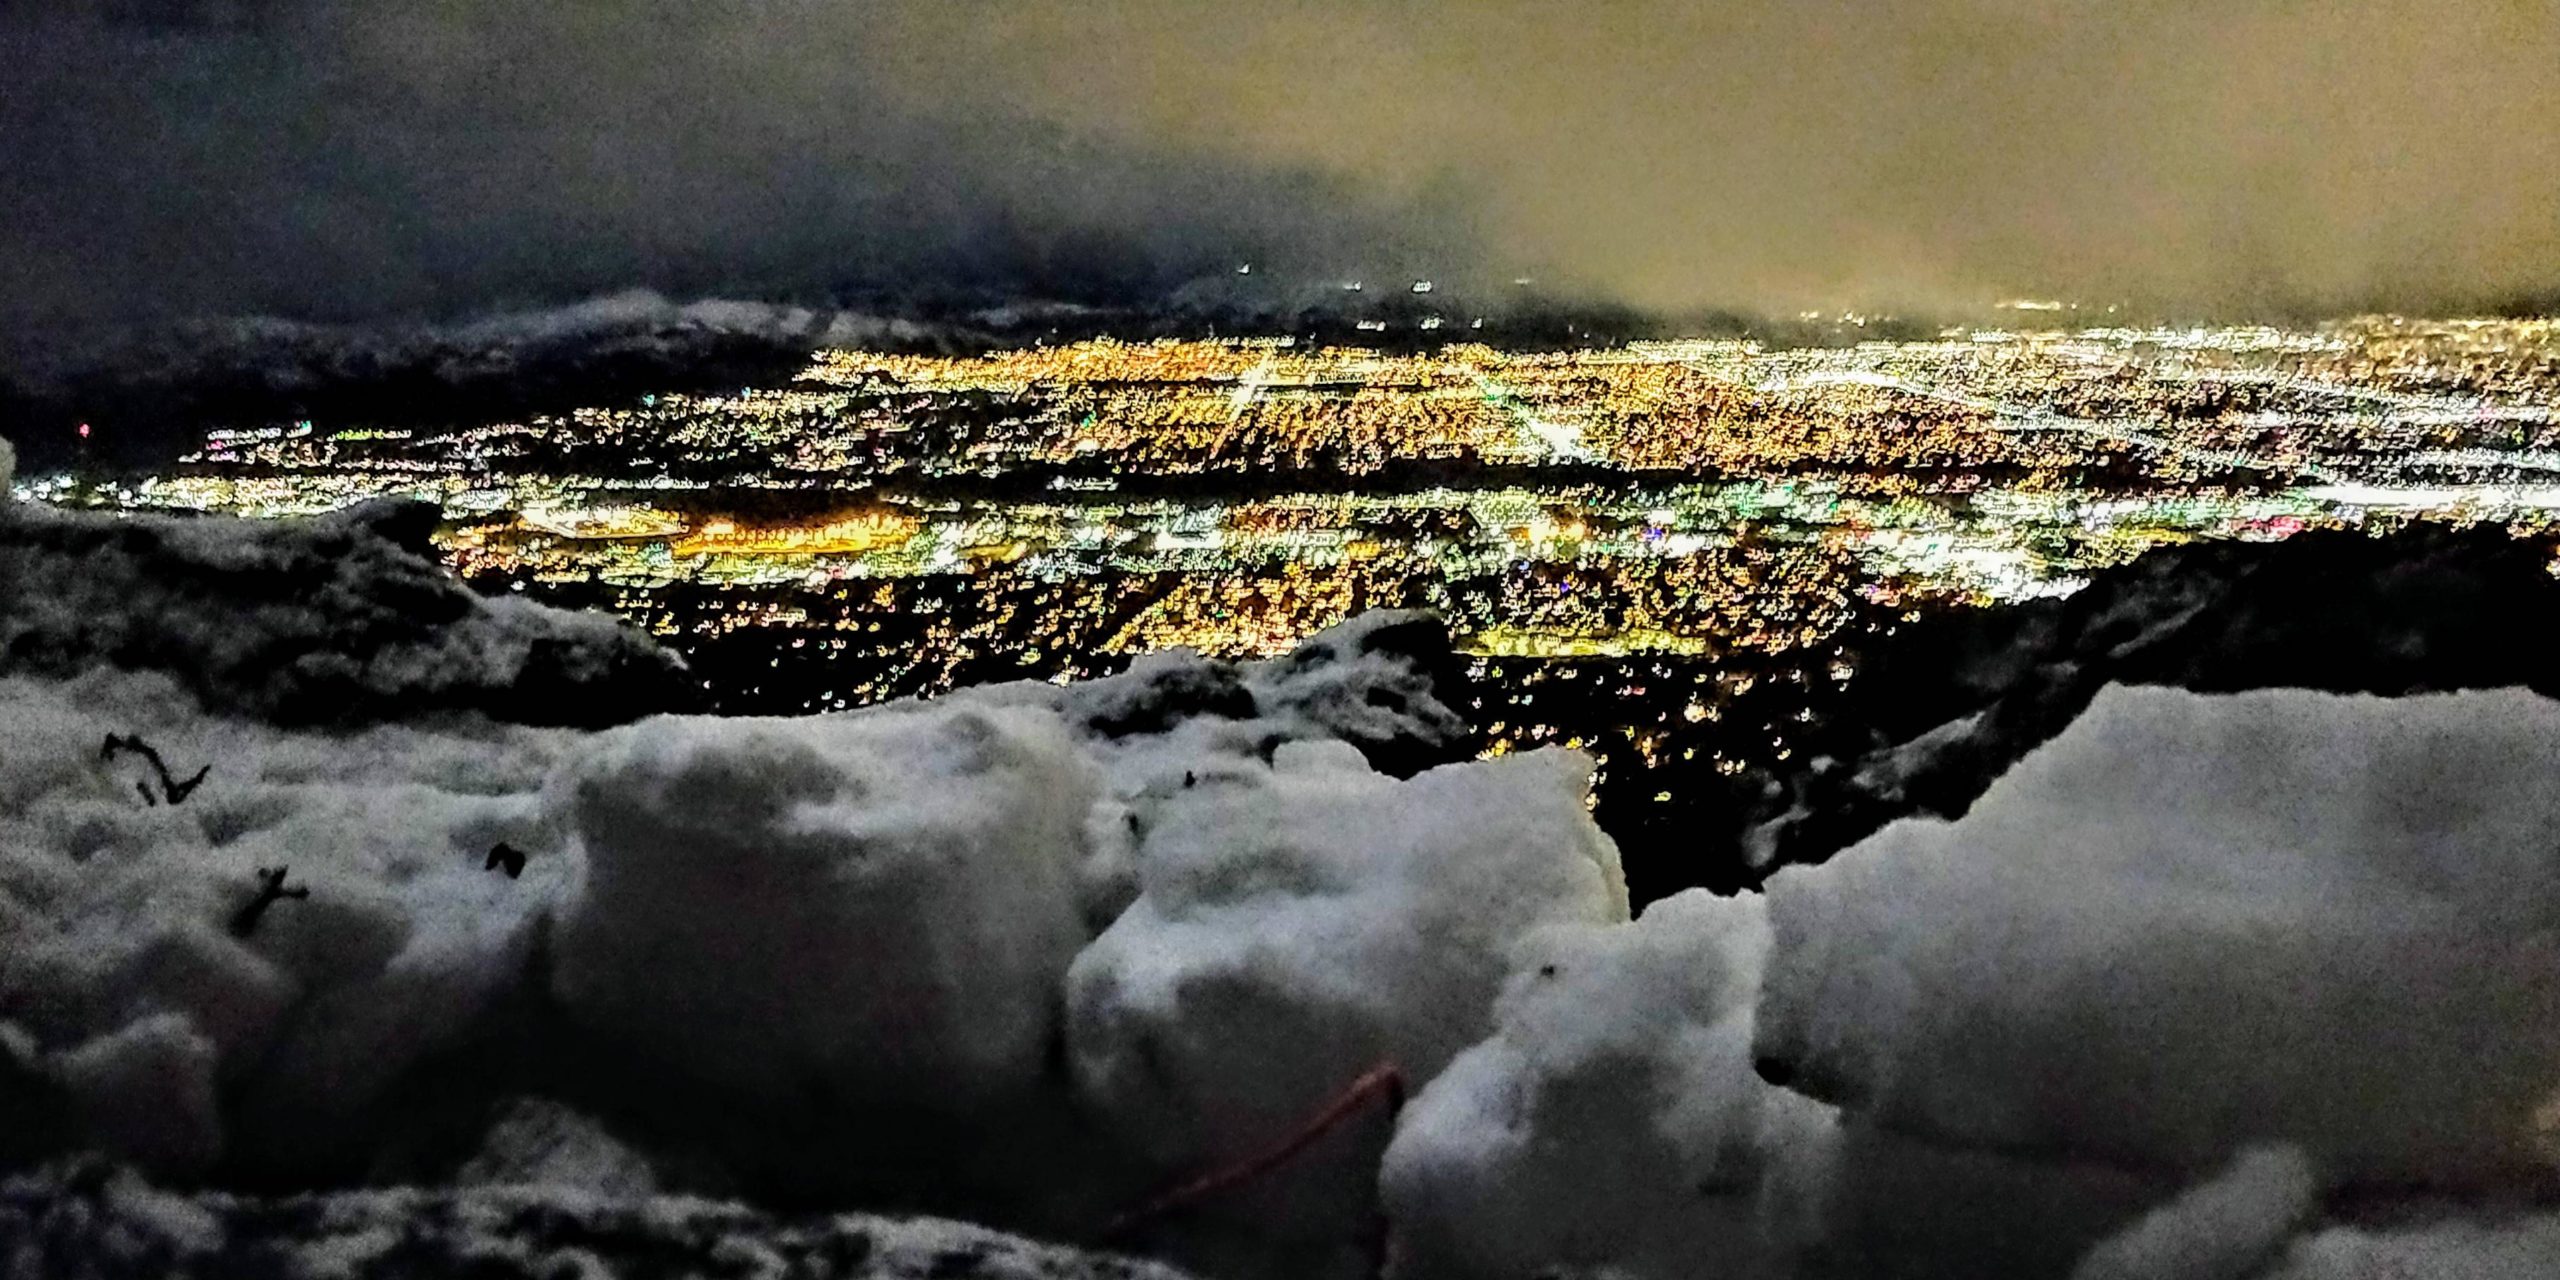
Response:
column 1296, row 926
column 882, row 902
column 2194, row 922
column 538, row 1142
column 89, row 1222
column 342, row 619
column 2225, row 1228
column 1009, row 910
column 1612, row 1119
column 1299, row 925
column 2508, row 1246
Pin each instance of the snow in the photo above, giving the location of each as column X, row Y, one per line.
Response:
column 2225, row 1228
column 884, row 901
column 344, row 618
column 91, row 1223
column 2502, row 1247
column 1157, row 918
column 1612, row 1118
column 2190, row 922
column 1951, row 703
column 1298, row 925
column 120, row 969
column 538, row 1142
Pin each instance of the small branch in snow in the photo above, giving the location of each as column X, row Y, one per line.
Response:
column 271, row 890
column 174, row 789
column 505, row 857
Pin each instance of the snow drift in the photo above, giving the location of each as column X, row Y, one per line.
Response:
column 910, row 876
column 346, row 618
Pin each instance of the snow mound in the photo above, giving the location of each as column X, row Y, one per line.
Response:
column 2193, row 923
column 1613, row 1119
column 538, row 1142
column 883, row 902
column 342, row 619
column 823, row 961
column 1381, row 682
column 1299, row 925
column 91, row 1222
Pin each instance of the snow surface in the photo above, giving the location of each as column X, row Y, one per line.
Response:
column 1612, row 1118
column 907, row 877
column 344, row 618
column 2224, row 1228
column 1005, row 910
column 2191, row 922
column 92, row 1223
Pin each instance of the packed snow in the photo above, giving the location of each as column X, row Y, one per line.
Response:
column 2207, row 985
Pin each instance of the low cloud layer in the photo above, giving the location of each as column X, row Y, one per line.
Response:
column 359, row 160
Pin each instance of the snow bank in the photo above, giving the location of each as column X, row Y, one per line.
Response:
column 2190, row 923
column 342, row 619
column 2204, row 986
column 1381, row 682
column 1092, row 941
column 1613, row 1119
column 880, row 903
column 1298, row 925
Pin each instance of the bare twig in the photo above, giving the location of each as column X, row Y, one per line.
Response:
column 505, row 857
column 271, row 890
column 172, row 788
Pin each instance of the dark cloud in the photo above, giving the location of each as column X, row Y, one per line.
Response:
column 352, row 159
column 342, row 161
